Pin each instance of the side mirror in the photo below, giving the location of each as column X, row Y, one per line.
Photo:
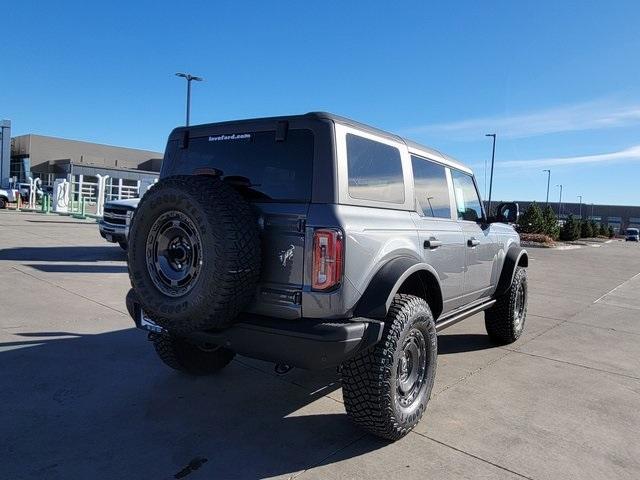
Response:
column 508, row 212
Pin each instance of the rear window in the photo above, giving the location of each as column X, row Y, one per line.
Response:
column 375, row 170
column 261, row 168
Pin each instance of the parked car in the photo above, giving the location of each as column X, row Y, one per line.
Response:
column 633, row 235
column 116, row 219
column 7, row 196
column 316, row 241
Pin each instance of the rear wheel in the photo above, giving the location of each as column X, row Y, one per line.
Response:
column 505, row 320
column 195, row 359
column 386, row 389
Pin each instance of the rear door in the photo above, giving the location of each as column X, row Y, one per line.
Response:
column 440, row 234
column 480, row 241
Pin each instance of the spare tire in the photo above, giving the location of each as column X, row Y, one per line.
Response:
column 194, row 253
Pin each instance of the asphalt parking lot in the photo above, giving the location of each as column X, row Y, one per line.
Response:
column 83, row 395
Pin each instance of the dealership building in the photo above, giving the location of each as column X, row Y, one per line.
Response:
column 81, row 163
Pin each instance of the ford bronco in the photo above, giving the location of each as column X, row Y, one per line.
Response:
column 316, row 241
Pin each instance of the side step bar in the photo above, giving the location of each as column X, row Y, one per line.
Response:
column 459, row 316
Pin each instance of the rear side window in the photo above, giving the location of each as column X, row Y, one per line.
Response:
column 467, row 199
column 375, row 170
column 261, row 168
column 432, row 190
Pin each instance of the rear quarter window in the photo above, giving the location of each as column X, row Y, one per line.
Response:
column 375, row 170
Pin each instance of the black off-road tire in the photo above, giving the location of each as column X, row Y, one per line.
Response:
column 190, row 358
column 505, row 320
column 370, row 381
column 225, row 235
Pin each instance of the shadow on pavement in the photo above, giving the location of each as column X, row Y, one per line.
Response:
column 64, row 254
column 67, row 222
column 103, row 406
column 58, row 268
column 463, row 342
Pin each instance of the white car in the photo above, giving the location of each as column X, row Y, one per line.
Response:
column 8, row 195
column 633, row 235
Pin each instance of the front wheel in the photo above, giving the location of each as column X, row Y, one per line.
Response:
column 505, row 320
column 3, row 203
column 180, row 354
column 386, row 388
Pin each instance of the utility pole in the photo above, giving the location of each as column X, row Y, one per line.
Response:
column 189, row 78
column 559, row 201
column 580, row 207
column 548, row 181
column 493, row 155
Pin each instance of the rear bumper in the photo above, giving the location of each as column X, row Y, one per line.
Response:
column 305, row 343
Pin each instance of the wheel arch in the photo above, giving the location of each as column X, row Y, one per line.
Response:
column 400, row 275
column 516, row 257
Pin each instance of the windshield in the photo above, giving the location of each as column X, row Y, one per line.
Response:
column 262, row 168
column 632, row 231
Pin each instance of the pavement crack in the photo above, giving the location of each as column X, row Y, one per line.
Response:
column 614, row 289
column 470, row 374
column 473, row 456
column 15, row 267
column 574, row 364
column 327, row 457
column 626, row 332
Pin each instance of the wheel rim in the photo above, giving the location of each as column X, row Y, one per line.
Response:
column 174, row 253
column 412, row 367
column 519, row 307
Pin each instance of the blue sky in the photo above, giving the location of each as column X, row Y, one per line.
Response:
column 559, row 82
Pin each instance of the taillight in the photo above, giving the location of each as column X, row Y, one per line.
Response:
column 327, row 259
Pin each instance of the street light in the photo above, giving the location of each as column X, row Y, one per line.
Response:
column 559, row 201
column 548, row 180
column 189, row 78
column 493, row 154
column 580, row 214
column 2, row 129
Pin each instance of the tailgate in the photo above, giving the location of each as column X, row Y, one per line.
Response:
column 283, row 254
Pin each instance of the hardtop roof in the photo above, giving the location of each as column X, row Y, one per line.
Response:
column 413, row 147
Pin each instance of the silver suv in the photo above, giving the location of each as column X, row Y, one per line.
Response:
column 316, row 241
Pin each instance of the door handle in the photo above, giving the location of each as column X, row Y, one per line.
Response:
column 432, row 243
column 472, row 242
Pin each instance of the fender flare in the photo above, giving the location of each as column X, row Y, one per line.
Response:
column 377, row 298
column 515, row 256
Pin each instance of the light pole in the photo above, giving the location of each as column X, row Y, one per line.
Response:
column 2, row 128
column 548, row 181
column 493, row 155
column 580, row 207
column 559, row 201
column 189, row 78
